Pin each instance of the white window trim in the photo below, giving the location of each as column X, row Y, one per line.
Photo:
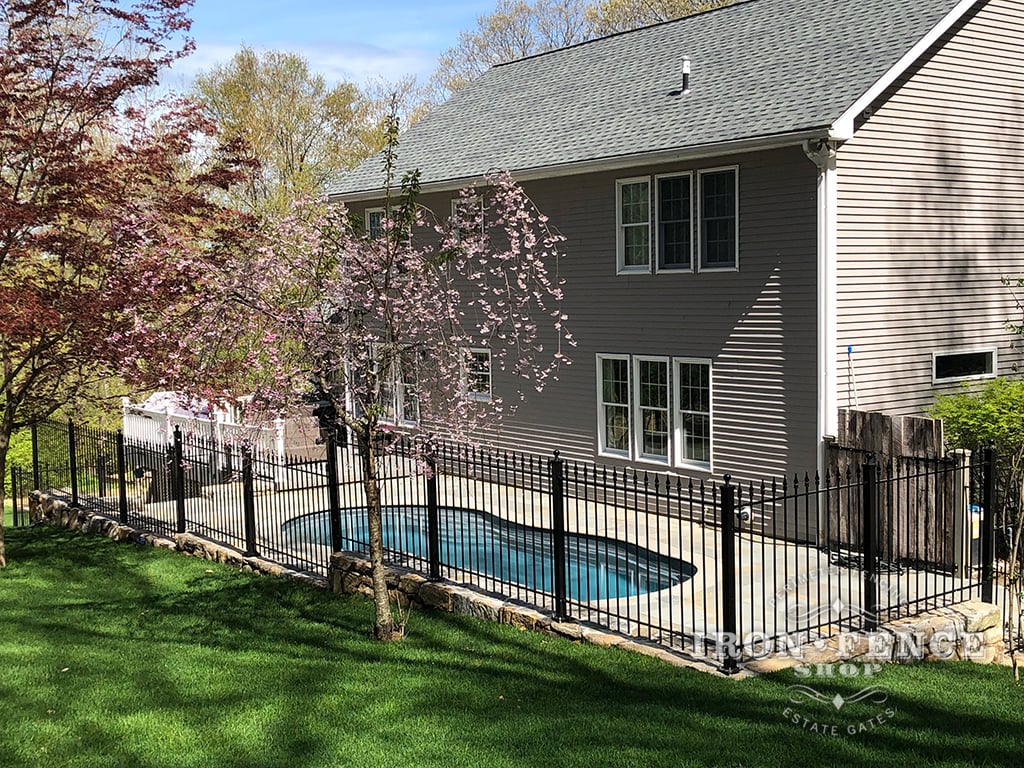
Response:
column 973, row 351
column 483, row 397
column 677, row 436
column 476, row 200
column 398, row 404
column 620, row 243
column 366, row 217
column 698, row 224
column 392, row 381
column 401, row 390
column 637, row 438
column 634, row 453
column 602, row 447
column 656, row 235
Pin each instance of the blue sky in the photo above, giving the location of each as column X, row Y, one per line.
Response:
column 342, row 39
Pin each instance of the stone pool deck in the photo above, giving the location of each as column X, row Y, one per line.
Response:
column 783, row 588
column 662, row 623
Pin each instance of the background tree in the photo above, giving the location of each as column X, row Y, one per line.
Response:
column 405, row 100
column 351, row 315
column 607, row 17
column 516, row 28
column 993, row 413
column 302, row 132
column 107, row 234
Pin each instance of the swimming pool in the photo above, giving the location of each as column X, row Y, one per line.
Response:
column 597, row 568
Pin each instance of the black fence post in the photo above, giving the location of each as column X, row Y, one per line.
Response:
column 557, row 466
column 333, row 494
column 988, row 524
column 122, row 481
column 433, row 523
column 73, row 463
column 870, row 490
column 730, row 632
column 178, row 480
column 248, row 503
column 35, row 460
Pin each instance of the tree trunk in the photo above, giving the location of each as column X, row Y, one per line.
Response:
column 384, row 625
column 5, row 443
column 1013, row 587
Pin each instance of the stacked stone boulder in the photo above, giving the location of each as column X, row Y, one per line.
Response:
column 970, row 630
column 43, row 509
column 350, row 574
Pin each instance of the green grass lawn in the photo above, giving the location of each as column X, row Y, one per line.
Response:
column 119, row 655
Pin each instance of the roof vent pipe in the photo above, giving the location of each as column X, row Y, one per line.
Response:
column 686, row 75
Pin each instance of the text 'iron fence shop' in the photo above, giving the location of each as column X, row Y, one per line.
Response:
column 714, row 568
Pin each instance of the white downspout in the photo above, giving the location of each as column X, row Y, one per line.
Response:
column 823, row 154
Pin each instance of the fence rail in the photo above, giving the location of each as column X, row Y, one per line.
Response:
column 709, row 567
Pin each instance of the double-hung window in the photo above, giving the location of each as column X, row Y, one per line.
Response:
column 375, row 223
column 397, row 383
column 675, row 222
column 652, row 409
column 655, row 409
column 719, row 219
column 633, row 241
column 693, row 412
column 614, row 399
column 407, row 406
column 468, row 216
column 478, row 374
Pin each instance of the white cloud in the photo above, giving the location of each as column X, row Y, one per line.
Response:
column 358, row 42
column 361, row 63
column 354, row 62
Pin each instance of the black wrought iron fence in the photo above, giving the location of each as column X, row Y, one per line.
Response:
column 711, row 567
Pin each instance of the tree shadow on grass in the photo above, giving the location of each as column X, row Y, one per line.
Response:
column 174, row 661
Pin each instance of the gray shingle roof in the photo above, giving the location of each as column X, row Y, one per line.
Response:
column 761, row 68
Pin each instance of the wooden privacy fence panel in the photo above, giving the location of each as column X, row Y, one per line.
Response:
column 925, row 493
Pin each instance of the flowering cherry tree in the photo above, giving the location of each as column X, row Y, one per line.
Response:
column 107, row 231
column 352, row 312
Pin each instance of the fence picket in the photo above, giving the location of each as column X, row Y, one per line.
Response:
column 648, row 554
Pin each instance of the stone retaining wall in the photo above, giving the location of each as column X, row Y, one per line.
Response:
column 350, row 574
column 43, row 509
column 970, row 630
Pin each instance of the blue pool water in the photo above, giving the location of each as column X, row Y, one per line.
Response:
column 597, row 568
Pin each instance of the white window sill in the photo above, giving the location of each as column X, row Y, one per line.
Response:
column 698, row 466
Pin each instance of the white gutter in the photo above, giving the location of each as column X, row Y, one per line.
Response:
column 823, row 155
column 609, row 163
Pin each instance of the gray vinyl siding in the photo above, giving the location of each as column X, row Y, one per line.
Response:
column 931, row 208
column 757, row 325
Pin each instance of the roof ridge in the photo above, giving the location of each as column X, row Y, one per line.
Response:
column 624, row 32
